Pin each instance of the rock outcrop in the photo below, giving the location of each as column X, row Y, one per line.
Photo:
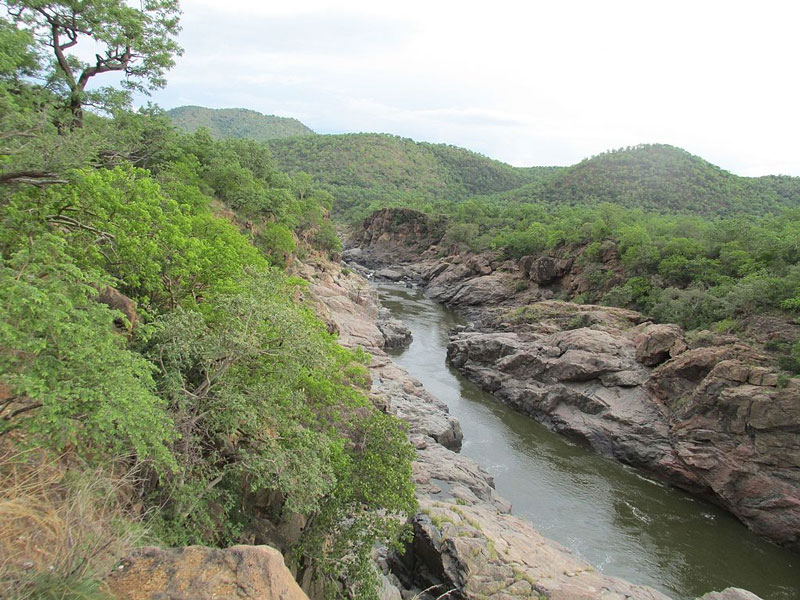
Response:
column 395, row 333
column 199, row 573
column 118, row 301
column 711, row 419
column 730, row 594
column 394, row 235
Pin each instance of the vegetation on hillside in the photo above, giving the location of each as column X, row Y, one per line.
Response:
column 147, row 322
column 660, row 178
column 696, row 245
column 684, row 269
column 368, row 171
column 239, row 123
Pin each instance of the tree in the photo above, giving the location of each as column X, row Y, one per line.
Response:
column 139, row 43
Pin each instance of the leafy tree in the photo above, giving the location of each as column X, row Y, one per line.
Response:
column 161, row 250
column 16, row 54
column 72, row 380
column 138, row 43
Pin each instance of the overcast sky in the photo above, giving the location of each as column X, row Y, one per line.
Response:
column 530, row 83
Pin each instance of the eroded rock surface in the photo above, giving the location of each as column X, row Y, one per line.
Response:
column 711, row 419
column 395, row 235
column 396, row 334
column 197, row 572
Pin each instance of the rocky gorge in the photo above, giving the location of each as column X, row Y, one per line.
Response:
column 466, row 542
column 709, row 414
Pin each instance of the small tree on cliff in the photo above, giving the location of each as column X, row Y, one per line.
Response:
column 138, row 43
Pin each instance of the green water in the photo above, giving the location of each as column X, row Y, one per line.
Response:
column 614, row 518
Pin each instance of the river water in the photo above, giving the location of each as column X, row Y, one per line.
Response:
column 614, row 518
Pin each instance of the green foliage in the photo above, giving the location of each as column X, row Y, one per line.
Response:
column 161, row 251
column 678, row 268
column 56, row 587
column 365, row 172
column 236, row 123
column 136, row 42
column 262, row 394
column 636, row 292
column 461, row 236
column 326, row 239
column 278, row 241
column 693, row 308
column 73, row 380
column 659, row 178
column 16, row 51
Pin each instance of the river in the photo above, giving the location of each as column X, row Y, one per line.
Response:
column 613, row 517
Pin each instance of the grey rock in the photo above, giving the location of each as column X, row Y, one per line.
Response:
column 396, row 334
column 730, row 594
column 389, row 274
column 658, row 343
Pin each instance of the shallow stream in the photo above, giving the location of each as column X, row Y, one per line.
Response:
column 614, row 518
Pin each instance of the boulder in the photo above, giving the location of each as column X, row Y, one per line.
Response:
column 730, row 594
column 545, row 269
column 478, row 553
column 657, row 343
column 389, row 274
column 355, row 255
column 395, row 333
column 116, row 300
column 200, row 573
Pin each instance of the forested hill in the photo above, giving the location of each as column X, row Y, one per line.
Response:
column 366, row 170
column 660, row 178
column 236, row 123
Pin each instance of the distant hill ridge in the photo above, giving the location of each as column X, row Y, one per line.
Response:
column 376, row 170
column 379, row 169
column 236, row 123
column 366, row 171
column 661, row 178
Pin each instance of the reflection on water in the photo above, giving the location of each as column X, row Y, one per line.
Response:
column 616, row 519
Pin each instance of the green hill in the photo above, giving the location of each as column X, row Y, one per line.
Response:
column 367, row 169
column 236, row 123
column 660, row 178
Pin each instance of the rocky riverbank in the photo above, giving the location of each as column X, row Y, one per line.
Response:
column 708, row 414
column 466, row 541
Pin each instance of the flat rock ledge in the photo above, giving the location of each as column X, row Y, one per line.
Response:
column 200, row 573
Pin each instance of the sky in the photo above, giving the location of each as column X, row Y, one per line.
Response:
column 528, row 82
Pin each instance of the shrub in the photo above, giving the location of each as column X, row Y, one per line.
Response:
column 72, row 380
column 691, row 308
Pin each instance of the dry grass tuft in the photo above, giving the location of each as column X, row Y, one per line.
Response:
column 61, row 529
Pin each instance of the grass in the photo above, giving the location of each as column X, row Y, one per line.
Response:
column 62, row 530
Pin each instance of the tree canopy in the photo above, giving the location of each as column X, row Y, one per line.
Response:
column 139, row 43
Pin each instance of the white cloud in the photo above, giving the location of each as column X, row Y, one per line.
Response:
column 524, row 82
